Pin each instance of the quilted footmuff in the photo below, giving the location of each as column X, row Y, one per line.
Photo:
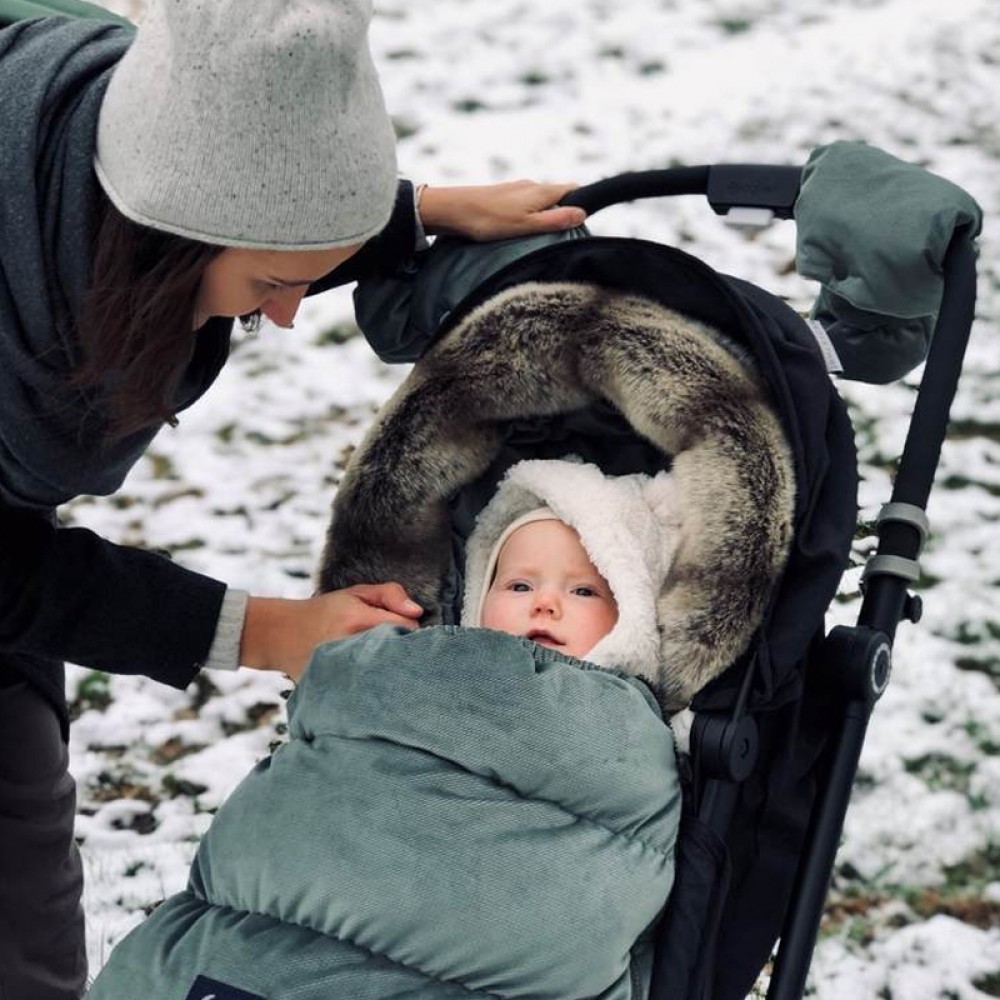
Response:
column 458, row 813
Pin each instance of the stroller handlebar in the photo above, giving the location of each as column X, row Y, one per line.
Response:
column 727, row 185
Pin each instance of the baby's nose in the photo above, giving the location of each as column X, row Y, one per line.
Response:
column 547, row 603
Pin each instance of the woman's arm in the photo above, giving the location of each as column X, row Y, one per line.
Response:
column 281, row 634
column 67, row 594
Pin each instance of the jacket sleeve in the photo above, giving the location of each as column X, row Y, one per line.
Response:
column 873, row 231
column 393, row 248
column 66, row 593
column 401, row 314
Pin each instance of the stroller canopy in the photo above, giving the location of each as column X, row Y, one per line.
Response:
column 633, row 356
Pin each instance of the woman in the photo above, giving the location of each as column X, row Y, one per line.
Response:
column 222, row 162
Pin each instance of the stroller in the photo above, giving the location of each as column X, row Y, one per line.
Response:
column 776, row 738
column 446, row 847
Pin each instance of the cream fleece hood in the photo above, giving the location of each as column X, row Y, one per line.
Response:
column 628, row 525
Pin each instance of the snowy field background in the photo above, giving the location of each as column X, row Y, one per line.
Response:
column 487, row 90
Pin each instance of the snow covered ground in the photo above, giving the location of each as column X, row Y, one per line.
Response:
column 581, row 89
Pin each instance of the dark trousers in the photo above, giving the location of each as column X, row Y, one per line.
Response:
column 42, row 952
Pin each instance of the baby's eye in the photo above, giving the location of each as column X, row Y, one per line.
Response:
column 519, row 587
column 586, row 591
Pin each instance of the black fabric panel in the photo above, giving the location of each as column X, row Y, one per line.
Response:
column 826, row 512
column 767, row 838
column 686, row 932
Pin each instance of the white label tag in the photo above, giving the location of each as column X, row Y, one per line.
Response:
column 830, row 357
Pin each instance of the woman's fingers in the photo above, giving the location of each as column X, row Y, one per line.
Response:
column 389, row 596
column 281, row 634
column 564, row 217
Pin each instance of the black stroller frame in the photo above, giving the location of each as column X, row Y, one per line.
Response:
column 852, row 664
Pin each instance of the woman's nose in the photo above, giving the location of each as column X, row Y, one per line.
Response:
column 281, row 307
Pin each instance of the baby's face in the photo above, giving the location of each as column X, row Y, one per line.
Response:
column 546, row 588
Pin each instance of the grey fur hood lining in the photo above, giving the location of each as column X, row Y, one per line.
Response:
column 541, row 349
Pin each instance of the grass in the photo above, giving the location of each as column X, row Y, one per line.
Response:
column 859, row 913
column 941, row 772
column 93, row 693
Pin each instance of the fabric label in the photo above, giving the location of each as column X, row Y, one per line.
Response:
column 204, row 988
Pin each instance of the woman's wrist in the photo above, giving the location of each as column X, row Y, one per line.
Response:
column 436, row 208
column 266, row 619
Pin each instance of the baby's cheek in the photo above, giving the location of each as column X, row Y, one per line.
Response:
column 490, row 611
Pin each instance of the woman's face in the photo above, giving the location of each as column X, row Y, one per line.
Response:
column 240, row 281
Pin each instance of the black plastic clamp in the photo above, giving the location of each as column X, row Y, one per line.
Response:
column 858, row 660
column 753, row 186
column 726, row 749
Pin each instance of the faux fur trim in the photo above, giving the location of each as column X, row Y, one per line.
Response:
column 628, row 526
column 542, row 349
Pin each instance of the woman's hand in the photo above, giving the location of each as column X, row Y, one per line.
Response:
column 281, row 634
column 497, row 211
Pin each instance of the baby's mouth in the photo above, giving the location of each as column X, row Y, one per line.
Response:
column 544, row 637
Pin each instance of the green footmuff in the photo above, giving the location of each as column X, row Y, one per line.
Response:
column 458, row 813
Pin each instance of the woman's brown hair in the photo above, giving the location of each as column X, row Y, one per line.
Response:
column 136, row 320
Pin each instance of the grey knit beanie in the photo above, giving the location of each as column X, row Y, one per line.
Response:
column 251, row 124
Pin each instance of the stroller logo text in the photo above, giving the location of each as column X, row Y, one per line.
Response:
column 204, row 988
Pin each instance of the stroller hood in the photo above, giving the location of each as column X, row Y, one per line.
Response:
column 456, row 277
column 538, row 350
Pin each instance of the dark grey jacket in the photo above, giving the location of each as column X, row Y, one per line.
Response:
column 66, row 593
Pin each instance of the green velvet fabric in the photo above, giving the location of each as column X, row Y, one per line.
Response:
column 20, row 10
column 873, row 231
column 458, row 812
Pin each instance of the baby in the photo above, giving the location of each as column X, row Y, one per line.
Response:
column 574, row 560
column 545, row 587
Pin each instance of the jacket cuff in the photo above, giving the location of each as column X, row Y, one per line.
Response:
column 224, row 653
column 420, row 241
